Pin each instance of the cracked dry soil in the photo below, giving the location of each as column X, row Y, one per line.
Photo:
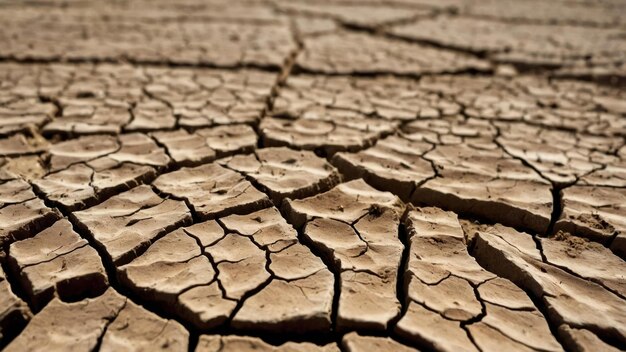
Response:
column 334, row 175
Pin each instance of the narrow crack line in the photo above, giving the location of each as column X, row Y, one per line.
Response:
column 611, row 81
column 166, row 195
column 480, row 54
column 471, row 337
column 111, row 272
column 217, row 280
column 597, row 281
column 444, row 278
column 118, row 148
column 540, row 22
column 169, row 261
column 254, row 183
column 13, row 279
column 367, row 245
column 277, row 277
column 86, row 244
column 525, row 162
column 199, row 242
column 433, row 310
column 241, row 301
column 330, row 264
column 433, row 13
column 492, row 120
column 106, row 327
column 7, row 204
column 272, row 68
column 131, row 113
column 556, row 187
column 54, row 101
column 364, row 271
column 244, row 298
column 557, row 208
column 477, row 318
column 380, row 74
column 202, row 284
column 401, row 277
column 539, row 303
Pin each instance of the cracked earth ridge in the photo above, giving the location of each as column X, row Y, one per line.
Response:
column 446, row 120
column 127, row 223
column 484, row 176
column 356, row 53
column 105, row 98
column 21, row 212
column 85, row 170
column 57, row 262
column 519, row 43
column 109, row 322
column 559, row 104
column 212, row 190
column 453, row 303
column 183, row 42
column 173, row 97
column 248, row 271
column 207, row 144
column 355, row 228
column 563, row 273
column 285, row 173
column 14, row 314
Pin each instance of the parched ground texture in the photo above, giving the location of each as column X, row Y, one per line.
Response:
column 332, row 175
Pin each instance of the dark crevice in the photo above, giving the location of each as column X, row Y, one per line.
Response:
column 286, row 70
column 557, row 207
column 220, row 285
column 331, row 265
column 100, row 195
column 254, row 183
column 298, row 69
column 195, row 218
column 476, row 319
column 59, row 107
column 194, row 337
column 56, row 256
column 401, row 283
column 241, row 301
column 15, row 283
column 173, row 165
column 546, row 261
column 556, row 188
column 106, row 327
column 481, row 54
column 111, row 272
column 608, row 80
column 539, row 302
column 136, row 62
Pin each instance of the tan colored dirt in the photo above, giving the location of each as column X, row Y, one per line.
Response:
column 331, row 175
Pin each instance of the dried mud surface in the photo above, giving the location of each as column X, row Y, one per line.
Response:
column 334, row 175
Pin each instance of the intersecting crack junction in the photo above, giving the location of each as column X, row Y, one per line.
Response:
column 319, row 176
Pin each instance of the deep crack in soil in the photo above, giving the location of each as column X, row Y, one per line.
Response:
column 332, row 176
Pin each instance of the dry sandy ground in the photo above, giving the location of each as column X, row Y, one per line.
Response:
column 334, row 175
